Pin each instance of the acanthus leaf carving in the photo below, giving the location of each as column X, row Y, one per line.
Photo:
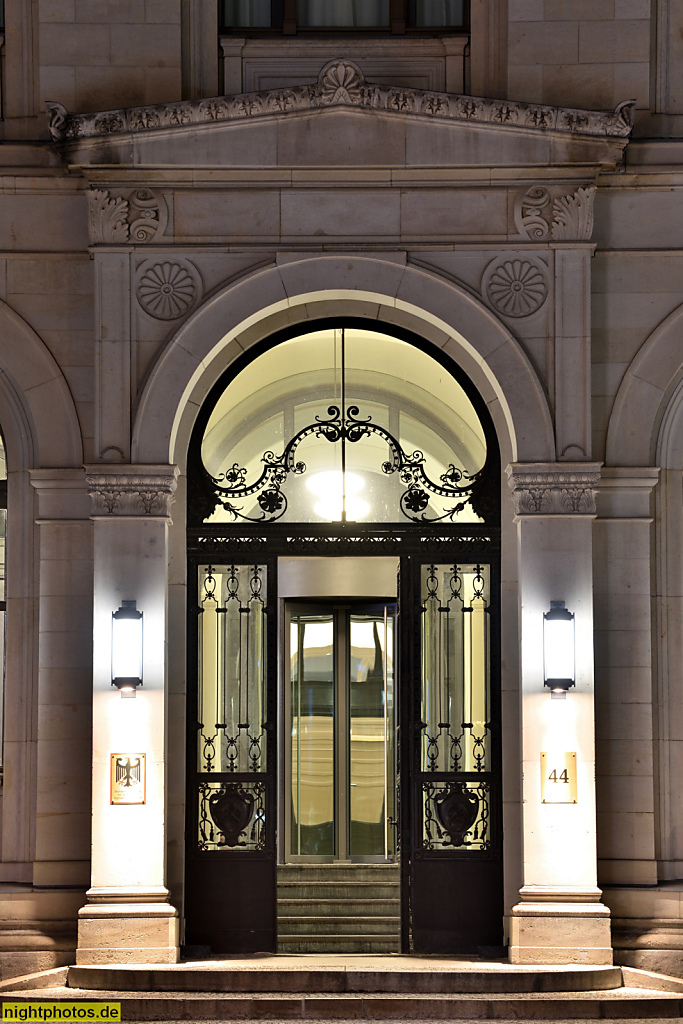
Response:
column 540, row 214
column 554, row 488
column 107, row 217
column 136, row 215
column 573, row 215
column 130, row 491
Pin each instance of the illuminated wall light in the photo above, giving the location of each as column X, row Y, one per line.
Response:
column 126, row 648
column 337, row 492
column 558, row 649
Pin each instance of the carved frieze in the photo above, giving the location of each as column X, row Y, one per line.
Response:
column 125, row 217
column 342, row 83
column 543, row 489
column 167, row 288
column 543, row 214
column 515, row 286
column 131, row 490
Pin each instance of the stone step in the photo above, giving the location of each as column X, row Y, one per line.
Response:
column 338, row 927
column 342, row 943
column 359, row 891
column 340, row 907
column 341, row 872
column 165, row 1006
column 344, row 975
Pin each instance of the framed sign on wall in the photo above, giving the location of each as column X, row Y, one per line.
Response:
column 128, row 777
column 558, row 778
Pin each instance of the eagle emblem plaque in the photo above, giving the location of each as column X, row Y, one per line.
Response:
column 128, row 778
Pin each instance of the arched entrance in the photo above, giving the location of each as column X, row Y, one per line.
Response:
column 343, row 669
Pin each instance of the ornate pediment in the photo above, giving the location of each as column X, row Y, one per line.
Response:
column 341, row 84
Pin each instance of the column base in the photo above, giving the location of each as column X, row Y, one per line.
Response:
column 554, row 927
column 127, row 928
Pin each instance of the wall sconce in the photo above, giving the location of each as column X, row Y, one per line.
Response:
column 558, row 649
column 126, row 648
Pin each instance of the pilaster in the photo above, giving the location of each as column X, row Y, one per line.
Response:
column 112, row 351
column 62, row 814
column 573, row 338
column 560, row 917
column 624, row 684
column 128, row 917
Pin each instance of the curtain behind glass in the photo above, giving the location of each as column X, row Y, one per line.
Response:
column 343, row 13
column 439, row 13
column 246, row 13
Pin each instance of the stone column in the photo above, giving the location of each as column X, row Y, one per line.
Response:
column 128, row 917
column 560, row 917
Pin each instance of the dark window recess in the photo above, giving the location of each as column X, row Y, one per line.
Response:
column 292, row 16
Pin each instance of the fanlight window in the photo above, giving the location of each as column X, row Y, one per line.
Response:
column 348, row 425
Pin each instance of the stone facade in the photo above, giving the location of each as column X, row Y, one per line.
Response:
column 169, row 197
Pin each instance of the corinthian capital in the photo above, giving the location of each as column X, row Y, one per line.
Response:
column 554, row 488
column 125, row 490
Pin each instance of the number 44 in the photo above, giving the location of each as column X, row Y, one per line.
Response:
column 562, row 777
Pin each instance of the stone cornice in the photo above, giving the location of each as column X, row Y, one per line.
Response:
column 554, row 488
column 125, row 490
column 341, row 84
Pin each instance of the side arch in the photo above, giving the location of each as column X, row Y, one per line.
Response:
column 378, row 288
column 36, row 384
column 642, row 397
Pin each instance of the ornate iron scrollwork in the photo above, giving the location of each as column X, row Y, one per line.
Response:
column 456, row 811
column 232, row 810
column 456, row 814
column 230, row 490
column 232, row 816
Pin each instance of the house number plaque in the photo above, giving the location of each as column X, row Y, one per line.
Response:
column 558, row 778
column 128, row 778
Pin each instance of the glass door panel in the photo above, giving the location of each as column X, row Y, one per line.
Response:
column 341, row 757
column 371, row 743
column 312, row 677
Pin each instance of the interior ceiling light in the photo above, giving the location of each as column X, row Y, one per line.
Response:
column 338, row 491
column 330, row 483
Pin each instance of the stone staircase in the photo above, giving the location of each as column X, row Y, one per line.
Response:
column 338, row 908
column 355, row 987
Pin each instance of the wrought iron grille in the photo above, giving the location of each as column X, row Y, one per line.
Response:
column 232, row 669
column 455, row 702
column 456, row 815
column 232, row 816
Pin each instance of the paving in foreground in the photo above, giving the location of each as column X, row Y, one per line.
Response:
column 351, row 988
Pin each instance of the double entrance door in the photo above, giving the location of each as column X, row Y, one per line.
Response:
column 337, row 729
column 340, row 735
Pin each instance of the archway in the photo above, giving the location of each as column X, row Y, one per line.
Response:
column 407, row 457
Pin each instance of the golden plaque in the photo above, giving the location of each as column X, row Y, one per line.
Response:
column 558, row 778
column 128, row 778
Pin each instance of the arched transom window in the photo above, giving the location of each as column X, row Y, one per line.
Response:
column 344, row 424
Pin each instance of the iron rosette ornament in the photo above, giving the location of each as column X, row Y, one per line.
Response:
column 264, row 500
